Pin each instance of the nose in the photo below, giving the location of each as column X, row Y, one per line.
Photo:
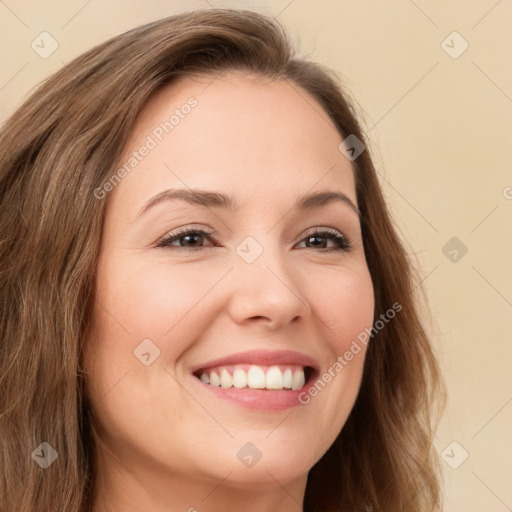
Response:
column 266, row 291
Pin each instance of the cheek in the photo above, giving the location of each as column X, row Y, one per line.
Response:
column 345, row 303
column 135, row 303
column 166, row 305
column 343, row 307
column 153, row 301
column 346, row 311
column 158, row 301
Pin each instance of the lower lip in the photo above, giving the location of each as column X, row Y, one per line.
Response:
column 257, row 399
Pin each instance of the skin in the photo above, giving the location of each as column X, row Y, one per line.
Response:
column 165, row 444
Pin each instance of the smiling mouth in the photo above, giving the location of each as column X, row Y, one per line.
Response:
column 250, row 376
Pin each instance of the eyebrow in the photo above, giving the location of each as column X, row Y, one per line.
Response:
column 222, row 201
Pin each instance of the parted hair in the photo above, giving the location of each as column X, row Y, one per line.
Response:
column 62, row 144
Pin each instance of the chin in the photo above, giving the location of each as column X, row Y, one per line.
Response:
column 274, row 466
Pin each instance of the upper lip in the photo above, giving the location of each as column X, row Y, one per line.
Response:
column 261, row 358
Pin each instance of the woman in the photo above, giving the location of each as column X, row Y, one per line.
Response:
column 205, row 304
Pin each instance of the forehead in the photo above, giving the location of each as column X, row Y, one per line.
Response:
column 236, row 133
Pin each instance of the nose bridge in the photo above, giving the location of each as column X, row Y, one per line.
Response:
column 264, row 284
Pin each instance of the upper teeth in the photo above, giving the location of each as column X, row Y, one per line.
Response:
column 256, row 377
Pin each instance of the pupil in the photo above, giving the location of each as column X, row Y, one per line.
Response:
column 316, row 238
column 190, row 236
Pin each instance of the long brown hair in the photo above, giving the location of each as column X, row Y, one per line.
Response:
column 64, row 143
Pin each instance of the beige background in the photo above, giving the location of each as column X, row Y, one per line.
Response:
column 440, row 128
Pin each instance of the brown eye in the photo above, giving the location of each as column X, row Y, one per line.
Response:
column 193, row 239
column 316, row 238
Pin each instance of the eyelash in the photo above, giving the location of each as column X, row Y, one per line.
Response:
column 342, row 241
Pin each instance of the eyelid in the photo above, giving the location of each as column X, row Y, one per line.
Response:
column 182, row 231
column 342, row 242
column 336, row 233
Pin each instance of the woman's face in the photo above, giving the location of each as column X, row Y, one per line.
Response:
column 250, row 298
